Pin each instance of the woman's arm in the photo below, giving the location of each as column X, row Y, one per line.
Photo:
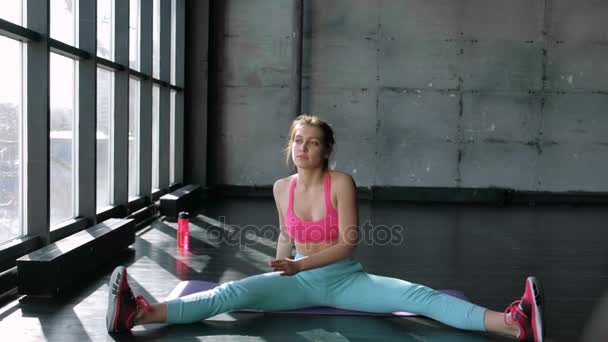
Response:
column 348, row 225
column 285, row 242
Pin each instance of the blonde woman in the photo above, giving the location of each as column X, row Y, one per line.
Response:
column 318, row 214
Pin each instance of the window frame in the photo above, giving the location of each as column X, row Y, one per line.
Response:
column 156, row 144
column 21, row 12
column 112, row 56
column 74, row 150
column 137, row 130
column 137, row 64
column 21, row 208
column 34, row 33
column 111, row 138
column 75, row 23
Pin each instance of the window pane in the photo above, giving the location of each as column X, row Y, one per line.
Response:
column 172, row 139
column 12, row 11
column 133, row 137
column 62, row 103
column 156, row 40
column 155, row 135
column 105, row 113
column 63, row 21
column 10, row 139
column 173, row 36
column 105, row 29
column 134, row 33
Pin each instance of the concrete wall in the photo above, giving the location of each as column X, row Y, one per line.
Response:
column 444, row 93
column 249, row 91
column 196, row 78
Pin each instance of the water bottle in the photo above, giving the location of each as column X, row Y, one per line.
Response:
column 183, row 230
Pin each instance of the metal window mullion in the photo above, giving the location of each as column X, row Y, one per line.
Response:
column 180, row 39
column 87, row 107
column 109, row 65
column 17, row 32
column 165, row 94
column 164, row 123
column 37, row 138
column 138, row 75
column 172, row 40
column 121, row 105
column 165, row 41
column 145, row 107
column 179, row 137
column 145, row 140
column 67, row 50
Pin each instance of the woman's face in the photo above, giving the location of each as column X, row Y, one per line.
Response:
column 307, row 150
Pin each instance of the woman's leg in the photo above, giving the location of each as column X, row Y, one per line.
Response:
column 267, row 291
column 157, row 314
column 368, row 292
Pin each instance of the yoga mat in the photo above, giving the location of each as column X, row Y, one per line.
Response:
column 192, row 286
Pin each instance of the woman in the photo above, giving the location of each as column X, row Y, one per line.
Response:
column 317, row 211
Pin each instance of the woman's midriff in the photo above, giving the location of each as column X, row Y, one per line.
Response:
column 309, row 248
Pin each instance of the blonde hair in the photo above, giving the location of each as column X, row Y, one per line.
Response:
column 315, row 121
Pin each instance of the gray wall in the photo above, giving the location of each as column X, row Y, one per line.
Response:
column 196, row 89
column 448, row 93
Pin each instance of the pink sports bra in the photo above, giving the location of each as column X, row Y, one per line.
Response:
column 323, row 230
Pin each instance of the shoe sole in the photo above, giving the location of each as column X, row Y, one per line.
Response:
column 116, row 284
column 537, row 309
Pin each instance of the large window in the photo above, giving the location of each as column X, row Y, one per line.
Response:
column 105, row 29
column 63, row 20
column 64, row 108
column 134, row 33
column 172, row 138
column 156, row 40
column 62, row 142
column 11, row 110
column 155, row 134
column 104, row 147
column 134, row 91
column 12, row 10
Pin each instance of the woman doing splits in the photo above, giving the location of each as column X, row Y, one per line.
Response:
column 317, row 209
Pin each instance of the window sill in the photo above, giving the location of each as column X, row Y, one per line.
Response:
column 174, row 186
column 110, row 212
column 136, row 203
column 13, row 249
column 157, row 193
column 68, row 228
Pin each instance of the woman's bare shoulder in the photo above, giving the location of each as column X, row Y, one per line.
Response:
column 280, row 185
column 341, row 179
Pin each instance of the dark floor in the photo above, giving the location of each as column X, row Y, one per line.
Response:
column 484, row 251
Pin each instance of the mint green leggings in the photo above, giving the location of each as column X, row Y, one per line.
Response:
column 342, row 284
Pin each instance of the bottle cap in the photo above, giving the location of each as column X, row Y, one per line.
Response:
column 183, row 214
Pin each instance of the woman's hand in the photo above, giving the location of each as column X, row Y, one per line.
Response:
column 288, row 266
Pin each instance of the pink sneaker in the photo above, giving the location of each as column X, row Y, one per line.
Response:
column 527, row 312
column 122, row 304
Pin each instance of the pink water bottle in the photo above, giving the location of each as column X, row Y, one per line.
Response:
column 183, row 230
